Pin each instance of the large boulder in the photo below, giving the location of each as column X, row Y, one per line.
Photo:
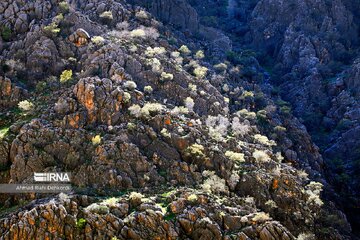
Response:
column 10, row 94
column 176, row 12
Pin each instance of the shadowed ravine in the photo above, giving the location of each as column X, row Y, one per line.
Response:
column 231, row 8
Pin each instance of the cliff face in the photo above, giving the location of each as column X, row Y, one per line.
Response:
column 164, row 139
column 316, row 48
column 311, row 50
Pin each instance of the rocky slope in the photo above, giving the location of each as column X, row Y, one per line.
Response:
column 162, row 140
column 318, row 50
column 310, row 49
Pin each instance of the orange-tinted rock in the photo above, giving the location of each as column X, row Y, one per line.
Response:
column 80, row 37
column 10, row 94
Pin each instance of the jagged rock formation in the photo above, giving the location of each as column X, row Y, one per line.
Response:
column 178, row 13
column 191, row 214
column 10, row 94
column 116, row 98
column 314, row 50
column 181, row 15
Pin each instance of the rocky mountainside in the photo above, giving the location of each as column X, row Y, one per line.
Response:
column 166, row 134
column 310, row 51
column 318, row 55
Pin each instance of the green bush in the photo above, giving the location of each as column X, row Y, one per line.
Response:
column 80, row 223
column 40, row 86
column 285, row 109
column 66, row 75
column 6, row 33
column 240, row 58
column 3, row 132
column 64, row 7
column 52, row 29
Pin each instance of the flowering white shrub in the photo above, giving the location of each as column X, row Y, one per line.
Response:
column 302, row 174
column 146, row 110
column 166, row 76
column 271, row 204
column 122, row 25
column 189, row 103
column 247, row 94
column 220, row 67
column 200, row 72
column 26, row 105
column 155, row 64
column 110, row 201
column 240, row 129
column 127, row 97
column 264, row 140
column 148, row 89
column 246, row 114
column 234, row 156
column 233, row 180
column 184, row 49
column 175, row 54
column 226, row 88
column 135, row 110
column 165, row 133
column 261, row 156
column 138, row 33
column 213, row 183
column 176, row 111
column 151, row 108
column 218, row 127
column 130, row 85
column 250, row 200
column 178, row 59
column 98, row 40
column 196, row 150
column 313, row 190
column 199, row 54
column 261, row 217
column 145, row 33
column 151, row 52
column 279, row 157
column 192, row 87
column 306, row 236
column 133, row 48
column 135, row 196
column 107, row 15
column 141, row 14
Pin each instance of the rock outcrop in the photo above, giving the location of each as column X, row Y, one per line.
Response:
column 313, row 43
column 192, row 214
column 10, row 94
column 176, row 12
column 311, row 49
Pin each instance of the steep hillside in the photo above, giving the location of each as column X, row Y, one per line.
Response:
column 310, row 51
column 163, row 138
